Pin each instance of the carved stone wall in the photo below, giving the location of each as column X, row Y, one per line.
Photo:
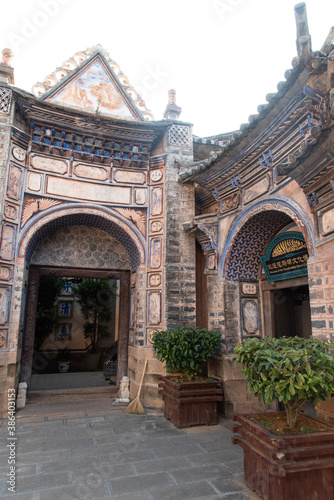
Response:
column 81, row 246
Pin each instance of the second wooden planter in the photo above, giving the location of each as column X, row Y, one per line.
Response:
column 190, row 403
column 291, row 467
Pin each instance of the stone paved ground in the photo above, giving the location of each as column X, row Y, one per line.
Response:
column 112, row 454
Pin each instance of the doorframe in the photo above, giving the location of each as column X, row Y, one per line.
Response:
column 69, row 272
column 268, row 306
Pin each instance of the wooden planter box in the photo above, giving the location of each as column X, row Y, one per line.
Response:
column 190, row 403
column 291, row 467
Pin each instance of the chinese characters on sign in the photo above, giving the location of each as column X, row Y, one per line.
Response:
column 65, row 308
column 286, row 257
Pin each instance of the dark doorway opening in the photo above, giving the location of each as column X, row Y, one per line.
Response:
column 292, row 312
column 28, row 351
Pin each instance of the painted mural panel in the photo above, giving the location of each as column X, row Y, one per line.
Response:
column 11, row 211
column 140, row 196
column 154, row 307
column 327, row 222
column 4, row 304
column 14, row 182
column 155, row 253
column 154, row 280
column 250, row 317
column 5, row 273
column 129, row 177
column 156, row 175
column 34, row 182
column 156, row 226
column 94, row 90
column 256, row 190
column 49, row 164
column 156, row 200
column 91, row 192
column 91, row 172
column 19, row 154
column 7, row 242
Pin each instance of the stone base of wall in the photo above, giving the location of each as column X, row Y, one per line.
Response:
column 236, row 398
column 149, row 393
column 8, row 382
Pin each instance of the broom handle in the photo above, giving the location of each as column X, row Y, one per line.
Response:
column 142, row 378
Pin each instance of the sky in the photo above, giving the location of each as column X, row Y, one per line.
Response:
column 221, row 56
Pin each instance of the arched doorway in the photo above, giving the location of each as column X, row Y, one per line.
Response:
column 261, row 308
column 80, row 243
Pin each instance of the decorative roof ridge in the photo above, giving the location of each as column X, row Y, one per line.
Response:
column 314, row 62
column 74, row 62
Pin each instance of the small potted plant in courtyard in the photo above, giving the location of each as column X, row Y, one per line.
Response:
column 188, row 398
column 287, row 454
column 64, row 357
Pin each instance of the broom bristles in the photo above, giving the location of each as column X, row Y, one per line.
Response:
column 135, row 407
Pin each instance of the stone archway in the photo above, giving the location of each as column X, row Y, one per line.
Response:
column 250, row 233
column 240, row 264
column 62, row 221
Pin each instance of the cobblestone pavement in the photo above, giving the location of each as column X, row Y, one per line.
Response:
column 112, row 454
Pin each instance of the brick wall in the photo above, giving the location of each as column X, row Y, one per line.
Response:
column 179, row 246
column 321, row 287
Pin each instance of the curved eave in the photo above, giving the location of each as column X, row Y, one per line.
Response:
column 33, row 108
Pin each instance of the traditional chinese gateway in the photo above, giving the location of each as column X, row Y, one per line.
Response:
column 233, row 232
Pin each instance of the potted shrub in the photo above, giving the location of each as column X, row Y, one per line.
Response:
column 95, row 299
column 64, row 356
column 293, row 459
column 188, row 399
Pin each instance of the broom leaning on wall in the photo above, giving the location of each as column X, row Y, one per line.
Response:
column 135, row 406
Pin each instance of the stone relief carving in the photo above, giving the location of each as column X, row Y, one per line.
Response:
column 4, row 304
column 11, row 211
column 138, row 218
column 19, row 153
column 34, row 181
column 155, row 253
column 156, row 200
column 156, row 175
column 140, row 196
column 229, row 203
column 156, row 226
column 256, row 190
column 35, row 205
column 154, row 280
column 14, row 182
column 250, row 316
column 5, row 273
column 49, row 164
column 5, row 100
column 129, row 177
column 7, row 242
column 90, row 172
column 179, row 135
column 154, row 307
column 3, row 338
column 150, row 333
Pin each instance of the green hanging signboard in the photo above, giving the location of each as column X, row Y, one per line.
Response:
column 286, row 257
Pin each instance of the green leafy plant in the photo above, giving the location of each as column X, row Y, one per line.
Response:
column 293, row 370
column 184, row 349
column 95, row 299
column 49, row 289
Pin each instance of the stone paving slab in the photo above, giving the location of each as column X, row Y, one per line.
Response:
column 111, row 454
